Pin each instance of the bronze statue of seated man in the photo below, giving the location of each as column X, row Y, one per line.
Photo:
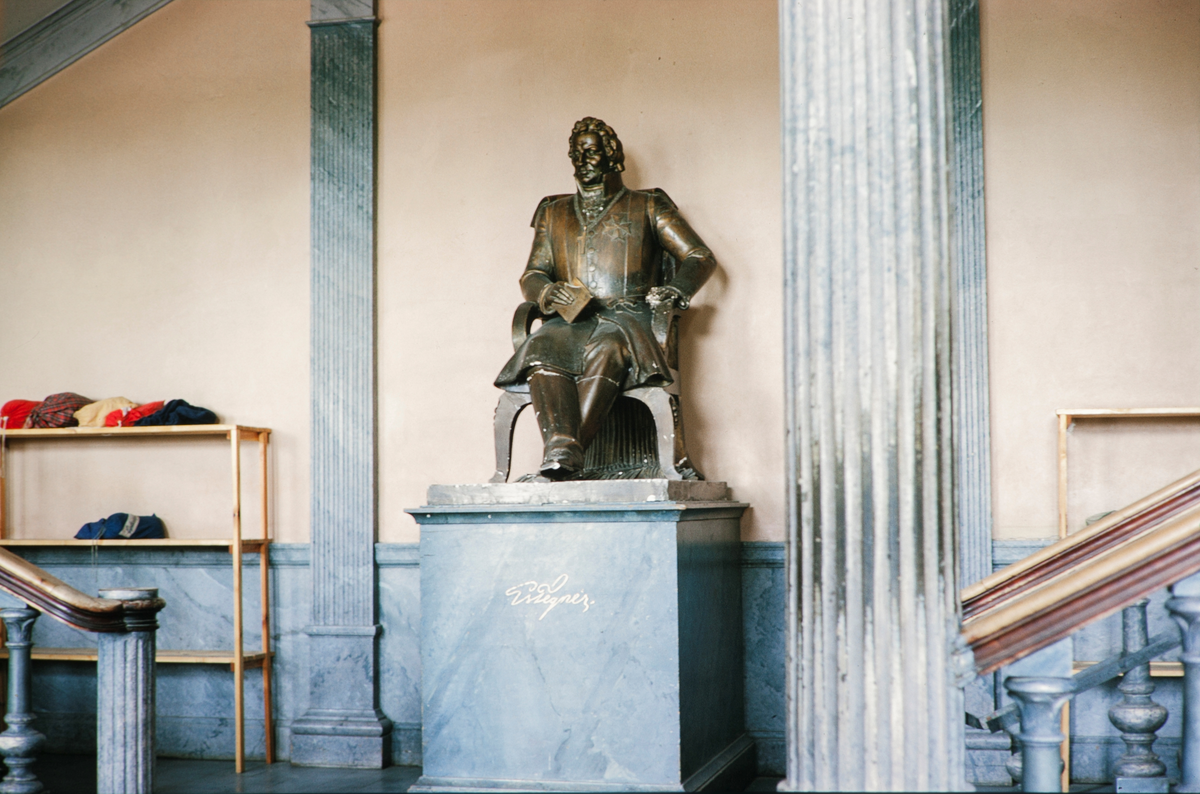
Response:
column 600, row 248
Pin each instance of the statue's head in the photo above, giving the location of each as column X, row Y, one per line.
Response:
column 595, row 151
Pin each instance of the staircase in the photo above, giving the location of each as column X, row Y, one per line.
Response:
column 1112, row 566
column 126, row 621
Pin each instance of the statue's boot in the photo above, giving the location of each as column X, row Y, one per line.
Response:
column 599, row 386
column 556, row 405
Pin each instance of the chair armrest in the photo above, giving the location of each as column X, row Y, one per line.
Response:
column 522, row 322
column 662, row 323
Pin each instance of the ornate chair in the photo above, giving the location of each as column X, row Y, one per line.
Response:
column 642, row 437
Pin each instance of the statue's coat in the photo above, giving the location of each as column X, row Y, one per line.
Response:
column 619, row 257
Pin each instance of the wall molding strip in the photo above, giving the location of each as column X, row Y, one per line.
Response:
column 1006, row 552
column 755, row 554
column 64, row 37
column 762, row 554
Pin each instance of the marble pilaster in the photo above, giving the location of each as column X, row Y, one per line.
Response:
column 343, row 725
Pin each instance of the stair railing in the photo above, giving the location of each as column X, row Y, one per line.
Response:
column 1115, row 564
column 126, row 621
column 1081, row 547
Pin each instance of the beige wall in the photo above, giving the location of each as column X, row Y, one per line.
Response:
column 476, row 102
column 154, row 237
column 1092, row 156
column 154, row 244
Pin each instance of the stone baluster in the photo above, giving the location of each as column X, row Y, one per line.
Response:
column 19, row 741
column 1014, row 763
column 1040, row 701
column 125, row 696
column 1137, row 716
column 1185, row 608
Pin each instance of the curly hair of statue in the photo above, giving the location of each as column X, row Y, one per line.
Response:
column 608, row 137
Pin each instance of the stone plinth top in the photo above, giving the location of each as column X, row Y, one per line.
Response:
column 581, row 492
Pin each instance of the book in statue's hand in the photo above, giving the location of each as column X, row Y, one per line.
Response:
column 582, row 297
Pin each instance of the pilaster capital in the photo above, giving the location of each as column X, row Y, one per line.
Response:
column 342, row 10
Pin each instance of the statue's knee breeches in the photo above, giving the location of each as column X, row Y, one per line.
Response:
column 606, row 355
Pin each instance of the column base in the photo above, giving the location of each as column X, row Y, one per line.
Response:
column 331, row 738
column 343, row 726
column 1141, row 785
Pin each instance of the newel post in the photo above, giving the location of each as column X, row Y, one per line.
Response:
column 19, row 741
column 125, row 679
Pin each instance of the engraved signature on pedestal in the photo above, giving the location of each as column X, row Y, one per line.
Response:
column 538, row 593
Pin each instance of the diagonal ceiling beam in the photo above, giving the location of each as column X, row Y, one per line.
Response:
column 63, row 38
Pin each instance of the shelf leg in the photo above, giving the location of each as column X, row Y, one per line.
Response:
column 1064, row 422
column 3, row 484
column 239, row 665
column 265, row 583
column 268, row 725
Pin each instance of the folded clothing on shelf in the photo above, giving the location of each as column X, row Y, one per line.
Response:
column 123, row 525
column 178, row 412
column 14, row 413
column 68, row 409
column 57, row 410
column 123, row 417
column 94, row 414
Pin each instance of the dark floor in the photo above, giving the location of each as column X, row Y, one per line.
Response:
column 76, row 774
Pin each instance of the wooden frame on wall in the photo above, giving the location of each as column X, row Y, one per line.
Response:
column 1067, row 416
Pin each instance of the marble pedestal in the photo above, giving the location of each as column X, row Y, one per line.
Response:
column 582, row 636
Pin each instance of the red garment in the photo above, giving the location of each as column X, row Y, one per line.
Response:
column 17, row 411
column 58, row 410
column 115, row 419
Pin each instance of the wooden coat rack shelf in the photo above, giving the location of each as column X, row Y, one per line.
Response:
column 237, row 658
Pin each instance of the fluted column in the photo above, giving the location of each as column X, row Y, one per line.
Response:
column 972, row 443
column 874, row 702
column 343, row 725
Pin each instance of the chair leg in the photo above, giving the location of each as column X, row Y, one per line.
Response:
column 682, row 461
column 666, row 426
column 507, row 410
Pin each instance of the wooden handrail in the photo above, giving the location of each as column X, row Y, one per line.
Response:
column 1124, row 525
column 1064, row 598
column 31, row 584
